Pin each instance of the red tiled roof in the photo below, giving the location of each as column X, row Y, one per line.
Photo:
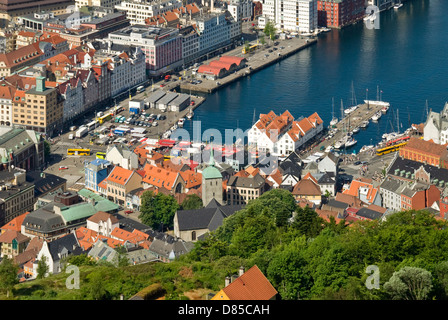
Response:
column 306, row 187
column 120, row 175
column 210, row 69
column 16, row 223
column 252, row 285
column 159, row 177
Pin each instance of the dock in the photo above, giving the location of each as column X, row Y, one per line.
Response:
column 364, row 112
column 256, row 61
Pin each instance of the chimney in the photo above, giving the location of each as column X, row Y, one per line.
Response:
column 241, row 271
column 227, row 281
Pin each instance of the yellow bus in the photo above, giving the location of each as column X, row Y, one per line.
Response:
column 104, row 118
column 78, row 152
column 389, row 149
column 101, row 155
column 251, row 48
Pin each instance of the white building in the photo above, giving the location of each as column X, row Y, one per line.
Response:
column 122, row 157
column 436, row 126
column 241, row 10
column 162, row 47
column 282, row 135
column 215, row 31
column 103, row 223
column 6, row 97
column 72, row 93
column 137, row 11
column 290, row 15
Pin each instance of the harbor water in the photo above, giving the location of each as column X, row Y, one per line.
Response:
column 403, row 62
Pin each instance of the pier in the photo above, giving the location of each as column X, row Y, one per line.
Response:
column 364, row 112
column 256, row 61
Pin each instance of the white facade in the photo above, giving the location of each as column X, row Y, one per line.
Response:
column 5, row 112
column 290, row 15
column 241, row 10
column 137, row 11
column 103, row 227
column 215, row 31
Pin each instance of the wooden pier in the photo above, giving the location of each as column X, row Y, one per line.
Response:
column 364, row 112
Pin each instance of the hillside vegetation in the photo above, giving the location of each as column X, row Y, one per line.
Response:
column 304, row 258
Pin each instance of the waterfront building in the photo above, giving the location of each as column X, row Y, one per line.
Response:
column 426, row 152
column 162, row 46
column 290, row 15
column 381, row 4
column 282, row 135
column 339, row 13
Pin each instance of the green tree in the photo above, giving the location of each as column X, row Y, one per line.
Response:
column 192, row 202
column 287, row 272
column 158, row 210
column 262, row 40
column 96, row 286
column 269, row 30
column 47, row 149
column 123, row 260
column 308, row 222
column 81, row 260
column 409, row 283
column 42, row 268
column 8, row 275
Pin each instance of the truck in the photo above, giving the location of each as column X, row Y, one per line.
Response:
column 82, row 131
column 70, row 136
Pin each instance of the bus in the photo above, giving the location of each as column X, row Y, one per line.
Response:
column 78, row 152
column 104, row 118
column 251, row 48
column 101, row 155
column 389, row 149
column 91, row 125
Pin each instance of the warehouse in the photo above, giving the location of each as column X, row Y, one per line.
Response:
column 180, row 103
column 153, row 98
column 163, row 103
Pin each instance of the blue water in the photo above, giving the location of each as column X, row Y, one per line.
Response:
column 405, row 59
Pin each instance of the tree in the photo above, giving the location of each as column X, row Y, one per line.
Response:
column 158, row 211
column 262, row 40
column 42, row 268
column 269, row 30
column 47, row 149
column 192, row 202
column 409, row 283
column 8, row 275
column 308, row 222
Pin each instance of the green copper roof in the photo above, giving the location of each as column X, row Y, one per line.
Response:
column 76, row 212
column 211, row 172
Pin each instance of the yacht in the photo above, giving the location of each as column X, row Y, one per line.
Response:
column 376, row 116
column 350, row 142
column 364, row 124
column 384, row 109
column 329, row 149
column 355, row 130
column 334, row 119
column 350, row 110
column 190, row 114
column 365, row 148
column 180, row 123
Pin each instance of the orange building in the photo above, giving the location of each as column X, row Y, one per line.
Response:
column 426, row 152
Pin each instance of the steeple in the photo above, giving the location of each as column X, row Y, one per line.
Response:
column 211, row 161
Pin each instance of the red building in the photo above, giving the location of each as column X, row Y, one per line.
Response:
column 415, row 199
column 339, row 13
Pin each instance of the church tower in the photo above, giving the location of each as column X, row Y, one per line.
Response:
column 211, row 182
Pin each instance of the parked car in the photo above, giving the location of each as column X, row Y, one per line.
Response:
column 63, row 167
column 357, row 163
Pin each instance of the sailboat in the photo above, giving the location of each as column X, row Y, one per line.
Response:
column 190, row 114
column 354, row 104
column 334, row 119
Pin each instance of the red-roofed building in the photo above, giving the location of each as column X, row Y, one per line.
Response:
column 162, row 178
column 211, row 72
column 282, row 135
column 250, row 285
column 119, row 182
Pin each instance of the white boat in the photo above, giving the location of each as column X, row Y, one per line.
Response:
column 384, row 109
column 364, row 124
column 350, row 142
column 355, row 130
column 376, row 116
column 365, row 148
column 180, row 123
column 350, row 110
column 329, row 149
column 334, row 120
column 339, row 144
column 190, row 114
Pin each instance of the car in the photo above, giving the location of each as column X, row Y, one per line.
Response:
column 270, row 50
column 63, row 168
column 364, row 162
column 162, row 85
column 357, row 163
column 128, row 211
